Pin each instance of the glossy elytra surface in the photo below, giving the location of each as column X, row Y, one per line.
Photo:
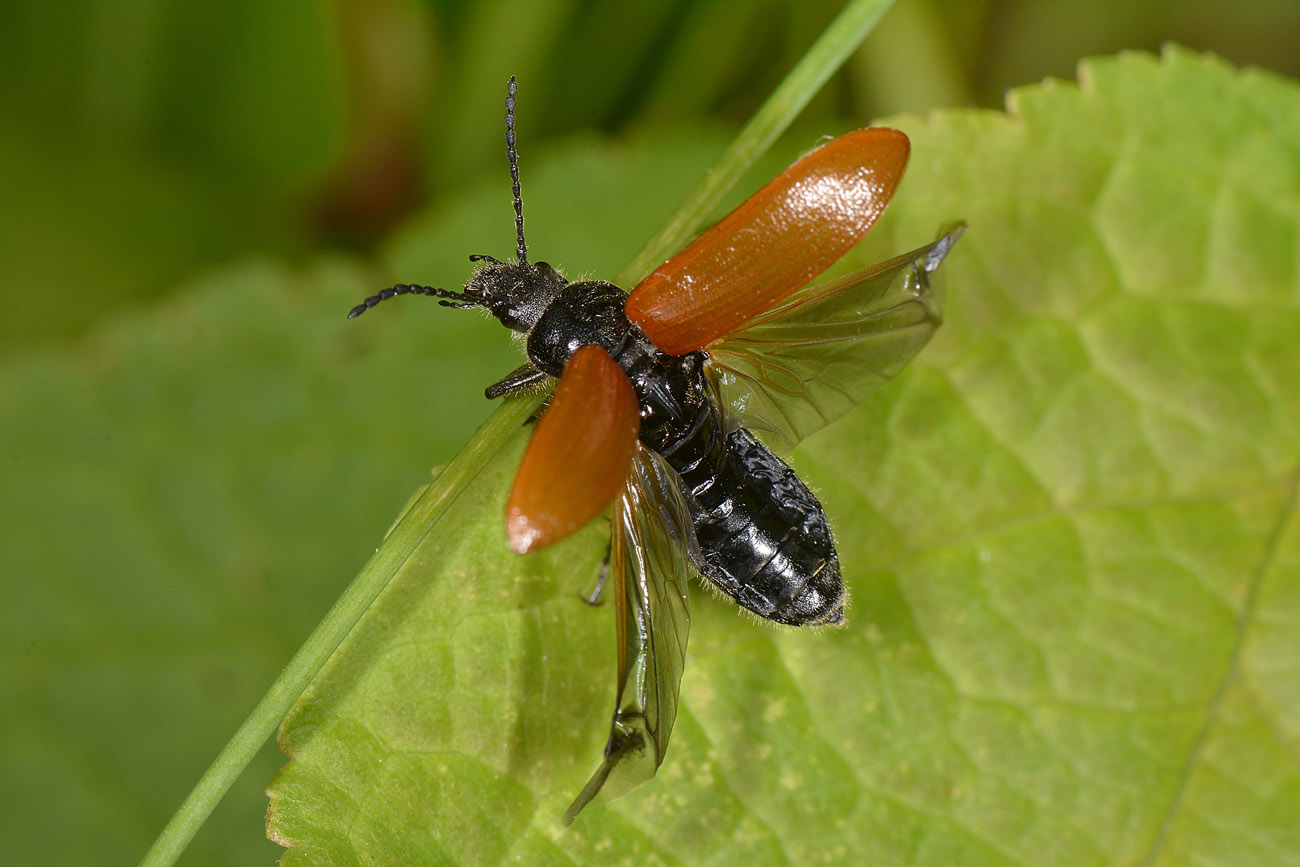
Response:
column 781, row 237
column 565, row 480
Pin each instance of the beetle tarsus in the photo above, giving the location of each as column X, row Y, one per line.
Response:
column 593, row 598
column 522, row 377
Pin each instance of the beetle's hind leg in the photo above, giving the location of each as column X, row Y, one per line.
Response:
column 593, row 598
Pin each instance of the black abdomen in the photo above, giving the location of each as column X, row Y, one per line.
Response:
column 762, row 534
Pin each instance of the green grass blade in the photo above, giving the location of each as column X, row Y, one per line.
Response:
column 410, row 530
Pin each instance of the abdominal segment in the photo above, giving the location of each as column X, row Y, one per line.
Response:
column 762, row 536
column 764, row 539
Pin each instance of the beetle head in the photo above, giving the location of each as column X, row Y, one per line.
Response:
column 516, row 293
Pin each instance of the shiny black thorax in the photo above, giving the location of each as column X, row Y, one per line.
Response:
column 762, row 536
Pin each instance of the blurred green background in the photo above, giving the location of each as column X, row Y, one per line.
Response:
column 160, row 162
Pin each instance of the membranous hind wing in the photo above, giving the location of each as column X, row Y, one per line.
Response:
column 812, row 358
column 652, row 556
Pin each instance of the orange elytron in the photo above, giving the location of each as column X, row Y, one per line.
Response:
column 564, row 480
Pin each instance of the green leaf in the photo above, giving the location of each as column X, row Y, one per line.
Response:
column 1070, row 533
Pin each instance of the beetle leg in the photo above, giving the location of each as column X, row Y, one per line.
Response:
column 522, row 377
column 593, row 598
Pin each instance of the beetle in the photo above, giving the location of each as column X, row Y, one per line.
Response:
column 669, row 396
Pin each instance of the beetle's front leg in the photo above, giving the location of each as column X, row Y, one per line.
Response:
column 522, row 377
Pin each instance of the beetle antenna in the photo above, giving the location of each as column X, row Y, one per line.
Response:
column 513, row 157
column 450, row 299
